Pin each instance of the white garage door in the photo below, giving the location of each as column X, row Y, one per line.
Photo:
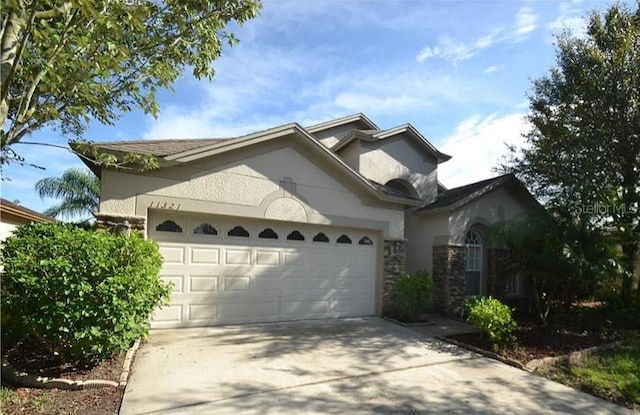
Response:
column 227, row 270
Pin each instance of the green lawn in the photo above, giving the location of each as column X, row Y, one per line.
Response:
column 613, row 375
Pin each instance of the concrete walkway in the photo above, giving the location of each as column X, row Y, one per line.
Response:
column 343, row 366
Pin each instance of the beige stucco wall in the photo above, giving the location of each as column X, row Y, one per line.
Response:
column 331, row 136
column 496, row 206
column 6, row 229
column 399, row 158
column 422, row 233
column 350, row 154
column 248, row 183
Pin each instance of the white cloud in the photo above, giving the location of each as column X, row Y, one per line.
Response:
column 455, row 51
column 525, row 21
column 571, row 18
column 576, row 25
column 477, row 146
column 493, row 69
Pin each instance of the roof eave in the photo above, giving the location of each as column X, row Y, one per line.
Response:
column 342, row 121
column 430, row 148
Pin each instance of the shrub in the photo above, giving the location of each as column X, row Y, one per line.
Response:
column 493, row 318
column 412, row 294
column 83, row 295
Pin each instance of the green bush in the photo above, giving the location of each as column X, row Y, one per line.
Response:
column 83, row 295
column 493, row 318
column 412, row 294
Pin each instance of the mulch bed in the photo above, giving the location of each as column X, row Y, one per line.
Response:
column 537, row 342
column 27, row 401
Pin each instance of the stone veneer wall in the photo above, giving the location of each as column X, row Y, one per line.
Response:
column 497, row 270
column 107, row 221
column 394, row 268
column 449, row 278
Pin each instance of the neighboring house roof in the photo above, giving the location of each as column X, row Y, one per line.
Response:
column 20, row 212
column 458, row 196
column 377, row 136
column 342, row 121
column 175, row 153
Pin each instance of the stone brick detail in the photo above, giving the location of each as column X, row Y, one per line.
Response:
column 106, row 221
column 394, row 268
column 449, row 278
column 497, row 270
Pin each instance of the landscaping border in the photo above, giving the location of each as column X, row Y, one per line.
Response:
column 535, row 364
column 39, row 382
column 571, row 358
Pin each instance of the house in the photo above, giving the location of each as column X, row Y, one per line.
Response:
column 13, row 215
column 309, row 222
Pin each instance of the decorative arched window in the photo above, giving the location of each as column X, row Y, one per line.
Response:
column 295, row 236
column 365, row 240
column 344, row 239
column 268, row 233
column 238, row 231
column 169, row 226
column 473, row 242
column 205, row 229
column 321, row 237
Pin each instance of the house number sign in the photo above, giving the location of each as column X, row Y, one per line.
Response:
column 164, row 205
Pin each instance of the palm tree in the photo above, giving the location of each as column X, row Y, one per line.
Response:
column 79, row 190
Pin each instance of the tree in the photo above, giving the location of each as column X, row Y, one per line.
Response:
column 582, row 154
column 79, row 190
column 66, row 62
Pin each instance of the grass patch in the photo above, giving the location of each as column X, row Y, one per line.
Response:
column 613, row 375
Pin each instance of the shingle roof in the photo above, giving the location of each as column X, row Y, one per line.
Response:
column 10, row 207
column 158, row 148
column 471, row 191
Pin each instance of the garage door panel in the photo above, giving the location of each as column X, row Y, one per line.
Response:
column 176, row 280
column 204, row 255
column 267, row 258
column 305, row 308
column 168, row 314
column 173, row 254
column 247, row 312
column 230, row 279
column 237, row 257
column 237, row 283
column 351, row 307
column 205, row 283
column 205, row 311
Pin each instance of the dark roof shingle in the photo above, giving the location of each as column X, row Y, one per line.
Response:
column 457, row 194
column 159, row 148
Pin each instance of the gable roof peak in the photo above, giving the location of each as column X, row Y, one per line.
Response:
column 325, row 125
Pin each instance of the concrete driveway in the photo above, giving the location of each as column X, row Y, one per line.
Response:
column 343, row 366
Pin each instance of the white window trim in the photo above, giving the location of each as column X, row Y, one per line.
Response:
column 473, row 239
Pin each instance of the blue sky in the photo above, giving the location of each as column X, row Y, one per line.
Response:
column 459, row 71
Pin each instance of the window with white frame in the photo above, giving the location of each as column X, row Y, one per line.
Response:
column 513, row 285
column 473, row 242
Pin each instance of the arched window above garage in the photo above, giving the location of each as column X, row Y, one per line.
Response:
column 205, row 229
column 268, row 233
column 321, row 237
column 344, row 239
column 295, row 236
column 365, row 240
column 238, row 231
column 169, row 226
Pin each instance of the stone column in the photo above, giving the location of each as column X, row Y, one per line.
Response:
column 394, row 268
column 449, row 278
column 109, row 221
